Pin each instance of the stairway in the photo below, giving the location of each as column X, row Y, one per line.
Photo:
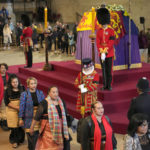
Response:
column 116, row 102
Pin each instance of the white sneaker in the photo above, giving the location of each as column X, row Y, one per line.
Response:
column 8, row 47
column 4, row 47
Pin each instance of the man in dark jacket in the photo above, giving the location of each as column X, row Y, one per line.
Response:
column 141, row 104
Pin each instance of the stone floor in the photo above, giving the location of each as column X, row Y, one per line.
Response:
column 15, row 56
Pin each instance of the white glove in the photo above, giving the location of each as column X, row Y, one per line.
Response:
column 81, row 86
column 84, row 90
column 103, row 56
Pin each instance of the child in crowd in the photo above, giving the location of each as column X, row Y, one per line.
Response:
column 71, row 42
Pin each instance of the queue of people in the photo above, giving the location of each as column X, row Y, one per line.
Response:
column 26, row 108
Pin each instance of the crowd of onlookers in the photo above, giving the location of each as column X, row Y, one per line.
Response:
column 61, row 35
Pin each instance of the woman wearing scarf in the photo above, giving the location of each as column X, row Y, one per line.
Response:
column 12, row 100
column 29, row 102
column 96, row 130
column 54, row 127
column 4, row 76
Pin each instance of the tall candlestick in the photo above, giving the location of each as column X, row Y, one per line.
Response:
column 93, row 20
column 45, row 18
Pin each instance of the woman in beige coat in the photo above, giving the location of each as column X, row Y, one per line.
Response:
column 7, row 36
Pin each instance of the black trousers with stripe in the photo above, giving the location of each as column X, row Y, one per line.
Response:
column 107, row 71
column 29, row 57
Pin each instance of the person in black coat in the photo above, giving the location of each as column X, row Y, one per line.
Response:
column 55, row 37
column 141, row 104
column 96, row 130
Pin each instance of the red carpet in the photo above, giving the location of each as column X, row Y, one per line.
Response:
column 116, row 102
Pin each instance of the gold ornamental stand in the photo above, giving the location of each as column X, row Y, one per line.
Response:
column 92, row 36
column 47, row 66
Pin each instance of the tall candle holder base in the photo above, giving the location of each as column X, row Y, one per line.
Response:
column 47, row 66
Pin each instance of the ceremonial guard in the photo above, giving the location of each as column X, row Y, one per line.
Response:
column 105, row 40
column 27, row 40
column 87, row 82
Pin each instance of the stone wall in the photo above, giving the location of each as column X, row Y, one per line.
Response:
column 69, row 8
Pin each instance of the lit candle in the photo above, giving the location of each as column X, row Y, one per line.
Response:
column 45, row 18
column 93, row 20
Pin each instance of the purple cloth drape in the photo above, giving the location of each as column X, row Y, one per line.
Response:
column 121, row 50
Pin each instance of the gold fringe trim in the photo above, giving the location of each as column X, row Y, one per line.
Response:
column 103, row 50
column 121, row 67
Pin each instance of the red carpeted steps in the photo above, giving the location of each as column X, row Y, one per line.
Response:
column 116, row 102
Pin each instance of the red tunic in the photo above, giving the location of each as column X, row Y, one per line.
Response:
column 27, row 37
column 91, row 83
column 103, row 40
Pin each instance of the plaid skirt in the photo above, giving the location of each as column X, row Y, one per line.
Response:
column 45, row 139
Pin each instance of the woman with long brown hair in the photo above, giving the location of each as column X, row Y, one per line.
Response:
column 12, row 100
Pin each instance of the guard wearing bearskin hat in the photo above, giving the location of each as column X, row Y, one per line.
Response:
column 27, row 40
column 87, row 82
column 105, row 40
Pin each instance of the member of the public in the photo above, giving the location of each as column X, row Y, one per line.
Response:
column 96, row 130
column 4, row 76
column 12, row 100
column 54, row 129
column 105, row 40
column 7, row 36
column 141, row 104
column 27, row 40
column 87, row 82
column 138, row 137
column 29, row 102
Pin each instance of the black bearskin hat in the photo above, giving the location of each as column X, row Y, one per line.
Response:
column 103, row 16
column 25, row 20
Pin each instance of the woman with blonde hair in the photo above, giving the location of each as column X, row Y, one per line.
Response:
column 7, row 36
column 29, row 102
column 40, row 31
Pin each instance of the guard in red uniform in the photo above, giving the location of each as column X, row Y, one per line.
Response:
column 105, row 40
column 87, row 82
column 27, row 40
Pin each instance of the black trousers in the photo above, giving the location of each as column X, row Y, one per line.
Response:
column 17, row 135
column 59, row 44
column 41, row 38
column 107, row 71
column 32, row 140
column 29, row 57
column 55, row 44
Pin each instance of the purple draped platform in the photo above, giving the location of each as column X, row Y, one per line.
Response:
column 121, row 50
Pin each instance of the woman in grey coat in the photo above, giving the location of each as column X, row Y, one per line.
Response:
column 138, row 137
